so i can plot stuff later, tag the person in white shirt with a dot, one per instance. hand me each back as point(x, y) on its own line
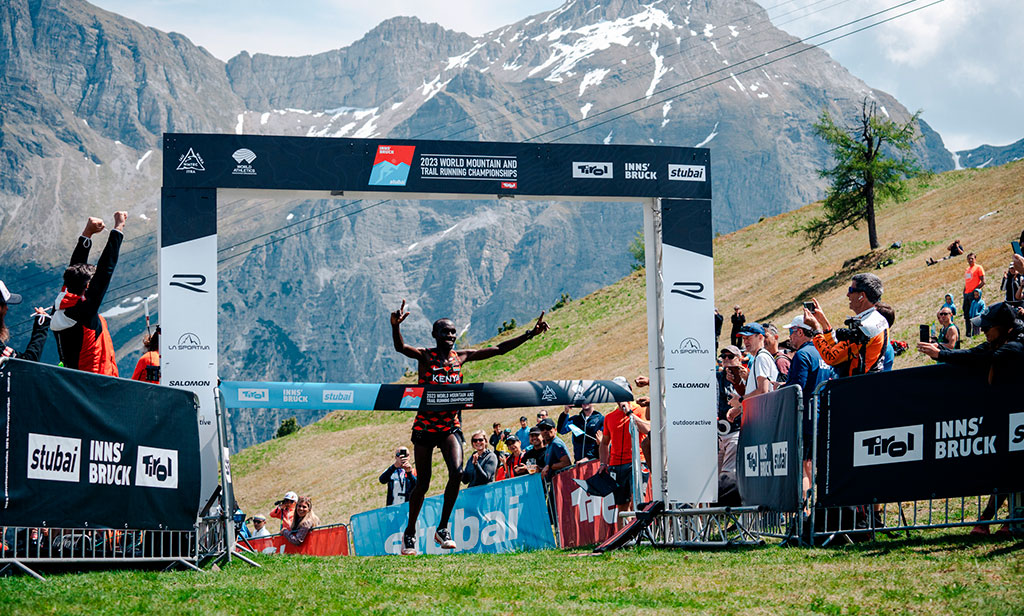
point(763, 373)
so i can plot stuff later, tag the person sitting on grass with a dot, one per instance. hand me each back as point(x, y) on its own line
point(303, 523)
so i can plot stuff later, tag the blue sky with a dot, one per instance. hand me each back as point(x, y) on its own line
point(959, 61)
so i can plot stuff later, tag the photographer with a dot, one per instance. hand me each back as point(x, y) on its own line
point(860, 347)
point(589, 424)
point(399, 477)
point(284, 509)
point(1001, 356)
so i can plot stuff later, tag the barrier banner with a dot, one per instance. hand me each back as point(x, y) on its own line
point(769, 470)
point(582, 519)
point(321, 541)
point(504, 516)
point(931, 432)
point(85, 450)
point(389, 397)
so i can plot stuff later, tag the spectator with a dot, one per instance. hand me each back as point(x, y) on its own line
point(259, 526)
point(616, 449)
point(771, 343)
point(588, 424)
point(860, 348)
point(284, 510)
point(955, 250)
point(974, 278)
point(719, 320)
point(399, 477)
point(728, 430)
point(514, 465)
point(641, 408)
point(556, 456)
point(148, 367)
point(482, 465)
point(542, 415)
point(1013, 284)
point(737, 319)
point(303, 523)
point(948, 303)
point(83, 340)
point(808, 371)
point(496, 437)
point(534, 455)
point(889, 313)
point(977, 308)
point(763, 372)
point(523, 433)
point(735, 372)
point(949, 335)
point(39, 328)
point(1001, 356)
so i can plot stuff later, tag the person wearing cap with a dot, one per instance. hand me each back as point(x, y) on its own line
point(39, 328)
point(1001, 356)
point(523, 433)
point(514, 465)
point(442, 365)
point(851, 356)
point(284, 509)
point(399, 478)
point(763, 373)
point(259, 526)
point(586, 427)
point(808, 370)
point(83, 339)
point(556, 456)
point(534, 453)
point(728, 430)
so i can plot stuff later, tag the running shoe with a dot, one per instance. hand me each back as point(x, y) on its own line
point(443, 538)
point(408, 545)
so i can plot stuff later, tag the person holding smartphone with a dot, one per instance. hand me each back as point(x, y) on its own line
point(399, 478)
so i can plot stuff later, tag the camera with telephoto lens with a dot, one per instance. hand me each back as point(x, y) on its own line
point(279, 503)
point(852, 332)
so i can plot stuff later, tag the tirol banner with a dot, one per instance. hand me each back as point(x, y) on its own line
point(321, 541)
point(769, 453)
point(85, 450)
point(584, 519)
point(691, 422)
point(920, 433)
point(374, 397)
point(505, 516)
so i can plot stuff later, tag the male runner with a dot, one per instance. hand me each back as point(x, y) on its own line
point(442, 365)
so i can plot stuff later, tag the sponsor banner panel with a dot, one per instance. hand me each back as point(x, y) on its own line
point(770, 472)
point(584, 519)
point(448, 167)
point(690, 387)
point(188, 321)
point(389, 397)
point(84, 450)
point(321, 541)
point(505, 516)
point(930, 432)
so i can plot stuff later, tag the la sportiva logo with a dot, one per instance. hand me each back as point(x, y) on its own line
point(189, 282)
point(189, 342)
point(190, 162)
point(54, 458)
point(888, 445)
point(689, 346)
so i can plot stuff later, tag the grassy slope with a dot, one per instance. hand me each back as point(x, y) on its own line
point(761, 267)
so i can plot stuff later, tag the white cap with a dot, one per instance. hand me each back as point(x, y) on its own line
point(622, 382)
point(798, 321)
point(292, 496)
point(6, 297)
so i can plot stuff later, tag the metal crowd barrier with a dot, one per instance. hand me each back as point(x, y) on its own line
point(23, 545)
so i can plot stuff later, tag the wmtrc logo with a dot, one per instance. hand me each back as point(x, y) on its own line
point(189, 342)
point(688, 289)
point(689, 346)
point(190, 162)
point(189, 282)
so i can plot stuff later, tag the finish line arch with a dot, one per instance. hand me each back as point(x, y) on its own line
point(673, 185)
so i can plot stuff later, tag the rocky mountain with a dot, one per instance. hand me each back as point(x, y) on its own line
point(990, 155)
point(86, 94)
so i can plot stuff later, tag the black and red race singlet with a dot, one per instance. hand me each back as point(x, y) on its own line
point(435, 371)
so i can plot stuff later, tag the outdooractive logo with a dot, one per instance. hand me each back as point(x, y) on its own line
point(54, 458)
point(599, 171)
point(338, 396)
point(688, 289)
point(243, 162)
point(689, 346)
point(190, 162)
point(686, 173)
point(411, 398)
point(391, 165)
point(189, 282)
point(888, 445)
point(156, 468)
point(252, 394)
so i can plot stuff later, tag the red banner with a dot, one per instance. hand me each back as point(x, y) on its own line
point(321, 541)
point(584, 519)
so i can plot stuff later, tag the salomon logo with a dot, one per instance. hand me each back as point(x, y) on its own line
point(687, 173)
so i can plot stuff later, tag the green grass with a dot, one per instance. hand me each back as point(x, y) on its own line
point(936, 574)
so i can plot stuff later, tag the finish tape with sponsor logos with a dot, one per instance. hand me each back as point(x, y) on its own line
point(390, 397)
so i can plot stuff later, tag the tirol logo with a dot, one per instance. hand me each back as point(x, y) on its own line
point(249, 394)
point(392, 164)
point(686, 173)
point(888, 445)
point(189, 282)
point(689, 346)
point(548, 394)
point(688, 289)
point(54, 458)
point(243, 162)
point(601, 171)
point(156, 468)
point(190, 162)
point(1016, 432)
point(339, 396)
point(189, 342)
point(411, 398)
